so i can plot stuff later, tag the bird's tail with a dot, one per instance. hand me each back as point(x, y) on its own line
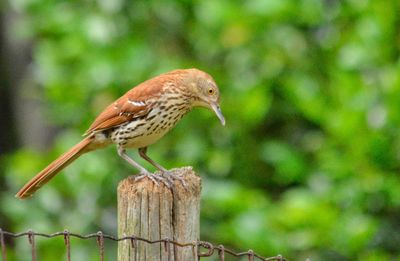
point(53, 168)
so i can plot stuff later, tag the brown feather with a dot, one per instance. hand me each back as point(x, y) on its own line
point(122, 111)
point(53, 168)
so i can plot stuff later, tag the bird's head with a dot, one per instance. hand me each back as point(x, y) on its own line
point(204, 91)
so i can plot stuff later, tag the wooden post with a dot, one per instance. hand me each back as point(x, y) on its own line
point(157, 212)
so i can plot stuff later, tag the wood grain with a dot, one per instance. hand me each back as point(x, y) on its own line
point(157, 212)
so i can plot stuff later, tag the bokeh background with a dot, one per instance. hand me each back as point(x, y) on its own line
point(307, 165)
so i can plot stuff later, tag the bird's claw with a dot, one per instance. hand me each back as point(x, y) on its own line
point(171, 178)
point(166, 177)
point(153, 177)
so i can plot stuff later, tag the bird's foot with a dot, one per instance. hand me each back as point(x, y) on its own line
point(171, 177)
point(155, 178)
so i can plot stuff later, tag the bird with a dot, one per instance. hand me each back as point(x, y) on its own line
point(137, 119)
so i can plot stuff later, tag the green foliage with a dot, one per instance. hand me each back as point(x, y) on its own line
point(308, 163)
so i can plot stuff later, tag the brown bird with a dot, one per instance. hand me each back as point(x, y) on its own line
point(138, 119)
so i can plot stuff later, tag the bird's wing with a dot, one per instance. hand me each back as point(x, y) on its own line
point(133, 104)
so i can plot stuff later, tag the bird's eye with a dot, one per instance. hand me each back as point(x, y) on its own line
point(211, 91)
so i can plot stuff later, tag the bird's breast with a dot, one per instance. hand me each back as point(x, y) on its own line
point(144, 131)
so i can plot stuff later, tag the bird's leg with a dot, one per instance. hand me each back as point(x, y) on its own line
point(142, 153)
point(167, 174)
point(143, 172)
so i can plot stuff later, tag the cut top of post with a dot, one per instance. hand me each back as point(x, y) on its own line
point(193, 183)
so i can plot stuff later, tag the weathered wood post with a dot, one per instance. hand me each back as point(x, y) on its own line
point(156, 212)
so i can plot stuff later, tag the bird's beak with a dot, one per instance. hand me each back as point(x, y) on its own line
point(218, 112)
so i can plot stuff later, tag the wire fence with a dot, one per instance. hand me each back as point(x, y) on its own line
point(199, 248)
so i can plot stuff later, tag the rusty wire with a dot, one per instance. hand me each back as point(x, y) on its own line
point(200, 248)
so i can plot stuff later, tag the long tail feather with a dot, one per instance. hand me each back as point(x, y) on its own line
point(53, 168)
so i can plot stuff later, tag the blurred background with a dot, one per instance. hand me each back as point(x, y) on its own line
point(307, 165)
